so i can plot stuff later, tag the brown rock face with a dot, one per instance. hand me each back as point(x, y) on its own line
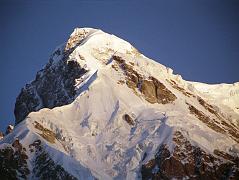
point(152, 89)
point(47, 134)
point(172, 167)
point(75, 40)
point(191, 162)
point(149, 91)
point(163, 95)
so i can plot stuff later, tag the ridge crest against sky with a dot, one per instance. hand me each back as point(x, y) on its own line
point(198, 40)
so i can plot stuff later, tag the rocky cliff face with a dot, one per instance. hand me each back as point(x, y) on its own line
point(53, 86)
point(100, 109)
point(190, 162)
point(13, 160)
point(14, 164)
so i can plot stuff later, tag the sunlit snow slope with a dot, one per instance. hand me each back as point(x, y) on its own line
point(111, 120)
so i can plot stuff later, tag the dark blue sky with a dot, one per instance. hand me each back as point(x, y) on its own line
point(198, 39)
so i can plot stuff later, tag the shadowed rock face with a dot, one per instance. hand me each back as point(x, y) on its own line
point(188, 161)
point(52, 87)
point(13, 162)
point(44, 166)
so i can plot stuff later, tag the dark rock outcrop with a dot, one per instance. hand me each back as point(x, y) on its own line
point(13, 162)
point(9, 129)
point(128, 119)
point(53, 86)
point(1, 135)
point(44, 166)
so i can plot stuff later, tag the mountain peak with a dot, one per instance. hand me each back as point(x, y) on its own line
point(101, 109)
point(98, 42)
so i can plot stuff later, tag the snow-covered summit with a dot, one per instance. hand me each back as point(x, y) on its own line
point(100, 109)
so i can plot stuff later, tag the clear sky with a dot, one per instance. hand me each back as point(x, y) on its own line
point(198, 39)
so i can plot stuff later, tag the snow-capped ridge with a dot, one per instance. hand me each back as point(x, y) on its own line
point(100, 109)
